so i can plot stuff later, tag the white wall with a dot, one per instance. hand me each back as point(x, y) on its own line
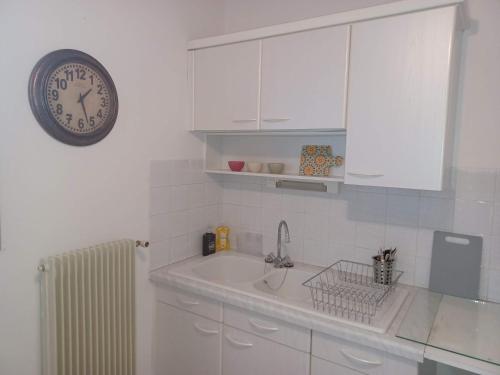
point(244, 14)
point(55, 197)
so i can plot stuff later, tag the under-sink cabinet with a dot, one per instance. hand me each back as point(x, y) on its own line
point(197, 335)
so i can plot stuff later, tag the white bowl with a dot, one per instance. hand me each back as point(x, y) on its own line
point(276, 168)
point(254, 166)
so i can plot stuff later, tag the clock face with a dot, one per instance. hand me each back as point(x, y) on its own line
point(78, 98)
point(73, 97)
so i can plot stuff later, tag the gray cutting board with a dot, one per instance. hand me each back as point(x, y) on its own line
point(456, 264)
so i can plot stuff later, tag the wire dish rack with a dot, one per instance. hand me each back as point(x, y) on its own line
point(348, 289)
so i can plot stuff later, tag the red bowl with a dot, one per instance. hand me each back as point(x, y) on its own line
point(236, 165)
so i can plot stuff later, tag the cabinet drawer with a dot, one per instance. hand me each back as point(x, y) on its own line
point(270, 328)
point(322, 367)
point(345, 353)
point(246, 354)
point(190, 302)
point(359, 357)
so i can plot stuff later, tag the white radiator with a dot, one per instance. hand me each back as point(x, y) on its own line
point(88, 311)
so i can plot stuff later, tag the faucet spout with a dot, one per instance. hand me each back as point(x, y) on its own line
point(280, 261)
point(283, 261)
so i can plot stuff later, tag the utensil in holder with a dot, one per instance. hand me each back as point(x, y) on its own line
point(382, 270)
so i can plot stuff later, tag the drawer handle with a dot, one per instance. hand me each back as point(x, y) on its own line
point(277, 119)
point(244, 120)
point(368, 175)
point(359, 360)
point(259, 326)
point(187, 303)
point(237, 343)
point(205, 331)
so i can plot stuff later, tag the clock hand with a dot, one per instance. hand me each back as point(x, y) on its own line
point(85, 95)
point(80, 100)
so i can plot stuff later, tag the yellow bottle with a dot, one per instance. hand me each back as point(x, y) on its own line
point(222, 238)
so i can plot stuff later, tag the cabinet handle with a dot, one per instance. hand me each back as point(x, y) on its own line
point(243, 120)
point(259, 326)
point(277, 119)
point(186, 302)
point(205, 331)
point(359, 360)
point(368, 175)
point(237, 343)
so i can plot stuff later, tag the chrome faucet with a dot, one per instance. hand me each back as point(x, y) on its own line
point(279, 261)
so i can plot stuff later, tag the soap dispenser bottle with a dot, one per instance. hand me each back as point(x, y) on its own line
point(222, 238)
point(208, 243)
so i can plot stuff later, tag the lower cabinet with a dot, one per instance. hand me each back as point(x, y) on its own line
point(199, 336)
point(247, 354)
point(186, 344)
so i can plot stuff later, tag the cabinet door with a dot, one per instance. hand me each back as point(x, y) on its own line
point(247, 354)
point(186, 344)
point(226, 87)
point(399, 81)
point(304, 80)
point(321, 367)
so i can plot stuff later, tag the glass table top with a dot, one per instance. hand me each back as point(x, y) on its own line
point(463, 326)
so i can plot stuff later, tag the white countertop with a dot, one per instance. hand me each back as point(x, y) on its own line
point(250, 299)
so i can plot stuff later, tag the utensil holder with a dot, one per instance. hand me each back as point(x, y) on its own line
point(382, 270)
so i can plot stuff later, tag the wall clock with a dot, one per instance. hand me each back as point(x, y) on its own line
point(73, 97)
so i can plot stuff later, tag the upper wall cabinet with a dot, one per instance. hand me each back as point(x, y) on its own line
point(226, 87)
point(398, 127)
point(304, 77)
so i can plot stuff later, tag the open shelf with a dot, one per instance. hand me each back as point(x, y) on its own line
point(272, 148)
point(278, 176)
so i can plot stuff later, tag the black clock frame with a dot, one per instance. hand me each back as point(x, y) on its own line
point(40, 107)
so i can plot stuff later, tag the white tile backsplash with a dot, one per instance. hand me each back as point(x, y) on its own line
point(424, 242)
point(342, 230)
point(180, 197)
point(160, 200)
point(473, 217)
point(403, 210)
point(251, 195)
point(370, 207)
point(402, 237)
point(422, 271)
point(495, 225)
point(494, 285)
point(370, 235)
point(184, 203)
point(476, 185)
point(436, 213)
point(324, 228)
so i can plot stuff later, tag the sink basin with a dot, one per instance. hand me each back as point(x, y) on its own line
point(230, 269)
point(286, 284)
